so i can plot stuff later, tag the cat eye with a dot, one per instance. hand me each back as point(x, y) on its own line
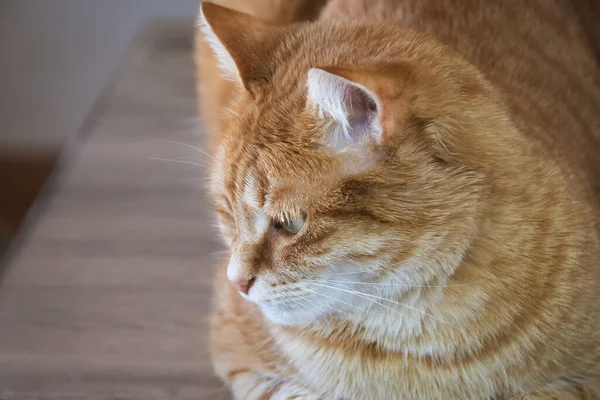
point(291, 226)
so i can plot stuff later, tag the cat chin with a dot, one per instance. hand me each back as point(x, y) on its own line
point(285, 316)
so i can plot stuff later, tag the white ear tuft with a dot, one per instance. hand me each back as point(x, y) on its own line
point(353, 109)
point(226, 63)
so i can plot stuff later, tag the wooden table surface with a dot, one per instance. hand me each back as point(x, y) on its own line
point(108, 292)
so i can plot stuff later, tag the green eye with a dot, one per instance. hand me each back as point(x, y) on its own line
point(291, 226)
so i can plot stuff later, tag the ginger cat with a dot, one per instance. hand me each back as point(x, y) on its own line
point(411, 194)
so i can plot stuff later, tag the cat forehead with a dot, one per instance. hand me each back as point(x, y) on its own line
point(279, 178)
point(253, 183)
point(275, 195)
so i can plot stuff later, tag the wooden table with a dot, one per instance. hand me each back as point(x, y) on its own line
point(107, 294)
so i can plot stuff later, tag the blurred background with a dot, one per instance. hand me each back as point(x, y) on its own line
point(55, 58)
point(106, 240)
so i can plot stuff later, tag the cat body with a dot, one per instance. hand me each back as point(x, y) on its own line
point(410, 194)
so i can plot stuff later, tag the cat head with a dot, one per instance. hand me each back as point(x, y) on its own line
point(354, 157)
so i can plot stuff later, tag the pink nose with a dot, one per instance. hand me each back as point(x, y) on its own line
point(242, 285)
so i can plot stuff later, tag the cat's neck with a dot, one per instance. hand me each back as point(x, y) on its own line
point(529, 240)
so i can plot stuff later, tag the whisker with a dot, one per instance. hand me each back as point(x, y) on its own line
point(338, 300)
point(304, 311)
point(403, 305)
point(322, 316)
point(217, 252)
point(402, 285)
point(176, 161)
point(409, 307)
point(201, 178)
point(337, 309)
point(358, 272)
point(200, 159)
point(366, 297)
point(391, 267)
point(199, 150)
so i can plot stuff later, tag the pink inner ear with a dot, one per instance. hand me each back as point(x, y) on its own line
point(361, 109)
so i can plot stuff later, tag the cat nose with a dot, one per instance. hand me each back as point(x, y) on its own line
point(243, 285)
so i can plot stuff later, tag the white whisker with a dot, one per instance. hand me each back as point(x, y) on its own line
point(181, 161)
point(401, 285)
point(367, 297)
point(322, 316)
point(338, 300)
point(409, 307)
point(201, 178)
point(190, 158)
point(360, 272)
point(334, 299)
point(304, 311)
point(219, 255)
point(199, 150)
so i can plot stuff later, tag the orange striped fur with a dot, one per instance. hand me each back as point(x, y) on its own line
point(410, 193)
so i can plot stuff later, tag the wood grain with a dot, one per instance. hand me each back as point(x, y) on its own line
point(108, 294)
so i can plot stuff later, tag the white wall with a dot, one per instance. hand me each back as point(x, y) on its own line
point(56, 56)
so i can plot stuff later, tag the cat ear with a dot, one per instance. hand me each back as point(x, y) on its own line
point(339, 95)
point(239, 41)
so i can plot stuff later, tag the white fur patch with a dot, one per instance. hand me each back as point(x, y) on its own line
point(261, 223)
point(226, 63)
point(251, 195)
